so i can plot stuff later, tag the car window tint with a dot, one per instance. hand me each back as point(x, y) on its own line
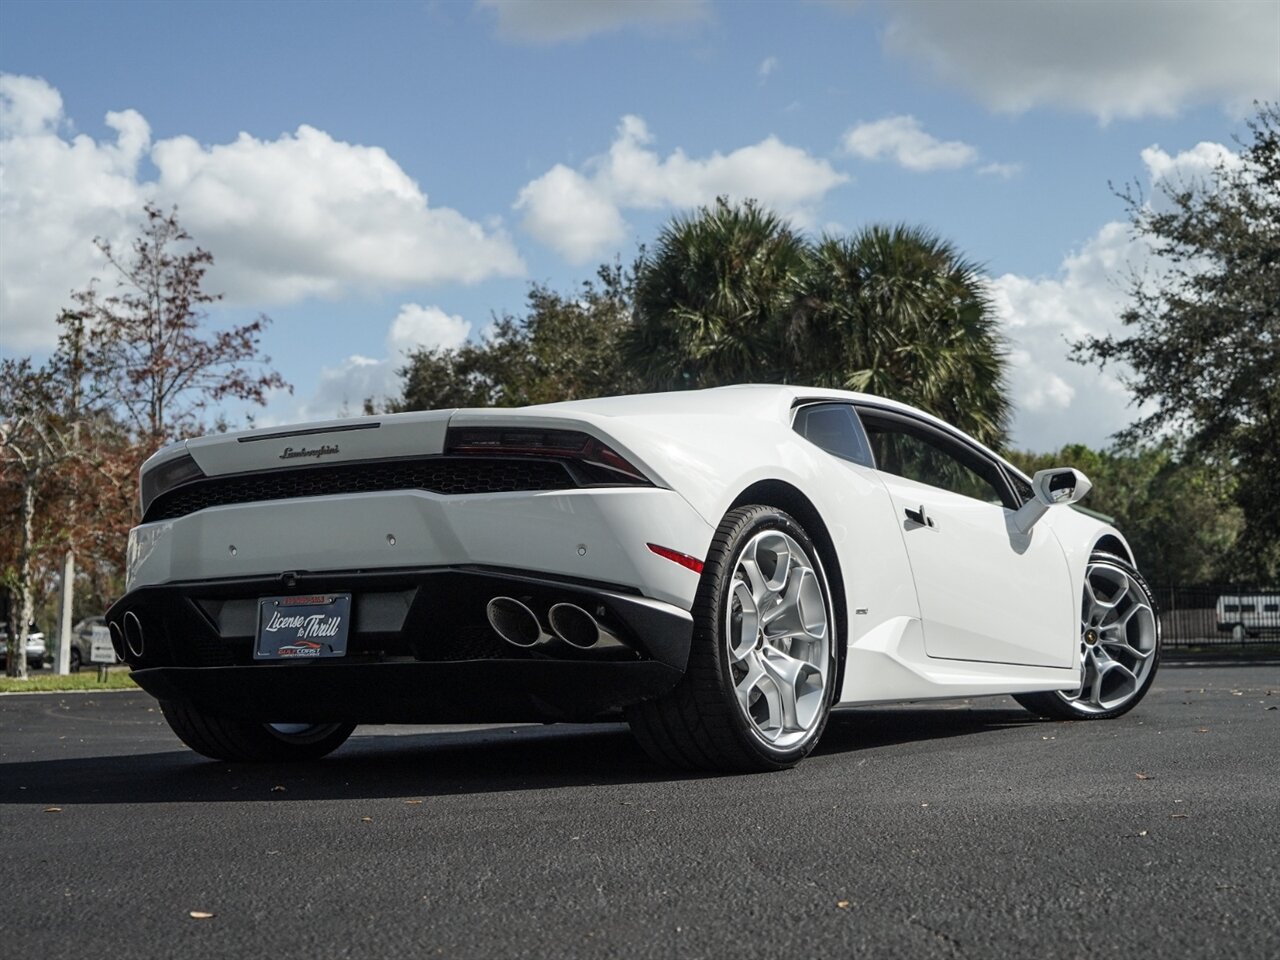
point(919, 454)
point(835, 428)
point(1021, 486)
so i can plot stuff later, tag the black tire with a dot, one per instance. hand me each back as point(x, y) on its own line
point(75, 659)
point(1056, 706)
point(699, 724)
point(227, 738)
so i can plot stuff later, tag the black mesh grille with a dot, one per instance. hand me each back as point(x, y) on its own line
point(448, 475)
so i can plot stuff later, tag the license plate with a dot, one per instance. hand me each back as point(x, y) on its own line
point(302, 628)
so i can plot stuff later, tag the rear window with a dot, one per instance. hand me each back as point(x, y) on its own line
point(836, 429)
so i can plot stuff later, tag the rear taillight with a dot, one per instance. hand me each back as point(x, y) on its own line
point(165, 476)
point(570, 445)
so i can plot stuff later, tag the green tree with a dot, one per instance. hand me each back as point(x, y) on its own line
point(731, 294)
point(1178, 516)
point(898, 312)
point(716, 299)
point(563, 348)
point(1201, 338)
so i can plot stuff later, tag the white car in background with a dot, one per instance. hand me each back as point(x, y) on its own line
point(82, 641)
point(36, 651)
point(720, 567)
point(1254, 614)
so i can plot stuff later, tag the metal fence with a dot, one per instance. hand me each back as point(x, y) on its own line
point(1219, 617)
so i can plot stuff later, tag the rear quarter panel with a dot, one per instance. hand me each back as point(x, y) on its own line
point(710, 459)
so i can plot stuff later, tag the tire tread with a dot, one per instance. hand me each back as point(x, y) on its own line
point(695, 726)
point(227, 738)
point(1049, 705)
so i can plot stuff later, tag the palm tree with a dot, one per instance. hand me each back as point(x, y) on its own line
point(714, 299)
point(731, 294)
point(896, 311)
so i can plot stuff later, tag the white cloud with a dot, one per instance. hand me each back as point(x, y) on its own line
point(573, 215)
point(28, 105)
point(767, 67)
point(56, 195)
point(306, 214)
point(579, 213)
point(903, 140)
point(552, 21)
point(1189, 167)
point(343, 388)
point(1112, 60)
point(1058, 401)
point(416, 326)
point(1005, 171)
point(302, 215)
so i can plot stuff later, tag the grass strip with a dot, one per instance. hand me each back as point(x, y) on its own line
point(86, 679)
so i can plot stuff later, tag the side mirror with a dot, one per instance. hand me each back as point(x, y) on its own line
point(1052, 487)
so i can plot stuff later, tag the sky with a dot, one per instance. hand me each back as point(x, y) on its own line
point(380, 176)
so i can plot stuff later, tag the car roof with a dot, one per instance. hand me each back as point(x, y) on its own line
point(763, 400)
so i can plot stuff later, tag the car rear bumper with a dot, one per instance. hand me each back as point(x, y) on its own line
point(420, 649)
point(472, 691)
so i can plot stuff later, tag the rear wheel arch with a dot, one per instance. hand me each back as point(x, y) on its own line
point(780, 494)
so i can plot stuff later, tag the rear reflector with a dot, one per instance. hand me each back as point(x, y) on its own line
point(675, 556)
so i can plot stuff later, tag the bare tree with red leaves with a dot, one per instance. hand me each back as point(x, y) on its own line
point(153, 361)
point(134, 368)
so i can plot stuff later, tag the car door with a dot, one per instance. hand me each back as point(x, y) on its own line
point(986, 592)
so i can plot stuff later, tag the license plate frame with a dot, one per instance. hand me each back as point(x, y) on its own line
point(309, 627)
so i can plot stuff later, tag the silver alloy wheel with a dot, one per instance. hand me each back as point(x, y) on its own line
point(1118, 638)
point(778, 638)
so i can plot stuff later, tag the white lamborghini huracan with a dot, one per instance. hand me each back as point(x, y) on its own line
point(720, 567)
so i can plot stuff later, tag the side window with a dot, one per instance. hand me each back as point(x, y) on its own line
point(918, 453)
point(1020, 486)
point(835, 428)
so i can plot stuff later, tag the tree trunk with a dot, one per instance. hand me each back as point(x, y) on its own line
point(17, 653)
point(62, 665)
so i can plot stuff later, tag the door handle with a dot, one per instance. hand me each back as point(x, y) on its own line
point(919, 516)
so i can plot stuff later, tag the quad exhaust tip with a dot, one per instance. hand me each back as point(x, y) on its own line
point(574, 625)
point(117, 641)
point(514, 622)
point(571, 626)
point(133, 634)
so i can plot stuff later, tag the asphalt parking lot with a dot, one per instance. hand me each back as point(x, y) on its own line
point(966, 829)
